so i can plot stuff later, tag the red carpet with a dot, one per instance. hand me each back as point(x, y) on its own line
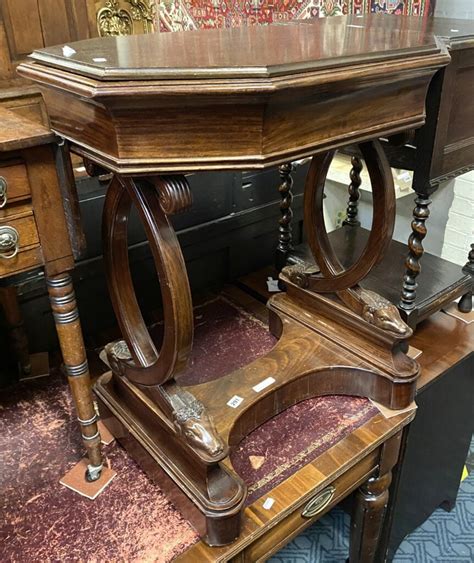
point(132, 520)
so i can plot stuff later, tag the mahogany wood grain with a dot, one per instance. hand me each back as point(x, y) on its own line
point(346, 466)
point(249, 51)
point(290, 90)
point(49, 208)
point(155, 367)
point(253, 97)
point(443, 339)
point(32, 134)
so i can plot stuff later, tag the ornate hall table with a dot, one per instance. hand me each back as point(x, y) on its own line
point(151, 108)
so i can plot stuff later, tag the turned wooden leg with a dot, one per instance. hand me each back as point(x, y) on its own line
point(367, 520)
point(370, 505)
point(14, 319)
point(285, 246)
point(68, 326)
point(465, 303)
point(415, 252)
point(354, 193)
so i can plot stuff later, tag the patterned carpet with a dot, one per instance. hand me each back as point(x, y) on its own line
point(446, 537)
point(177, 15)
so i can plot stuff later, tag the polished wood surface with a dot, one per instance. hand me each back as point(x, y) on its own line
point(135, 122)
point(346, 466)
point(18, 132)
point(244, 52)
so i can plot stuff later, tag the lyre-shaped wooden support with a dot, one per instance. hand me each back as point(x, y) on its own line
point(333, 277)
point(187, 432)
point(187, 444)
point(155, 200)
point(363, 311)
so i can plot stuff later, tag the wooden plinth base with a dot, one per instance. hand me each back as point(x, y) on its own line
point(189, 484)
point(307, 361)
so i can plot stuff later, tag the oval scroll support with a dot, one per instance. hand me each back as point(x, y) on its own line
point(154, 198)
point(333, 277)
point(336, 277)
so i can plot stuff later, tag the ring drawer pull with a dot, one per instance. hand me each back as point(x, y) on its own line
point(318, 503)
point(3, 192)
point(9, 242)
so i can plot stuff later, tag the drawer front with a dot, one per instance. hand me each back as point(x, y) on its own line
point(14, 184)
point(314, 507)
point(19, 245)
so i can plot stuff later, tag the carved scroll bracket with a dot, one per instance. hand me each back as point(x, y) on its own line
point(155, 200)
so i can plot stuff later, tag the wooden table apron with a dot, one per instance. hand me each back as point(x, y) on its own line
point(151, 108)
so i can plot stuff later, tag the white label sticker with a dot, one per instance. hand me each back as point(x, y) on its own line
point(263, 384)
point(235, 401)
point(68, 51)
point(272, 285)
point(269, 502)
point(99, 60)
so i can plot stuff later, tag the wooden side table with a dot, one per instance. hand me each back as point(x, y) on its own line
point(124, 114)
point(34, 234)
point(435, 446)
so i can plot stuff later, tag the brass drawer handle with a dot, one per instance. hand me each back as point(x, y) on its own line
point(3, 192)
point(9, 242)
point(318, 503)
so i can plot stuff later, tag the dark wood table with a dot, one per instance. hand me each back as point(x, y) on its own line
point(150, 108)
point(34, 235)
point(436, 444)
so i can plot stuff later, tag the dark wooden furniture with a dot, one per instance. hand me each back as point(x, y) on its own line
point(27, 25)
point(360, 462)
point(436, 444)
point(34, 234)
point(440, 150)
point(443, 149)
point(255, 97)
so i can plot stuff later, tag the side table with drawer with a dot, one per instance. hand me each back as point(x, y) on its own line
point(34, 234)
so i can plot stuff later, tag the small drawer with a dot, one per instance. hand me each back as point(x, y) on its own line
point(305, 513)
point(19, 245)
point(14, 184)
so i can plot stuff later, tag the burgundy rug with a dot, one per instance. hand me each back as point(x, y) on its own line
point(132, 520)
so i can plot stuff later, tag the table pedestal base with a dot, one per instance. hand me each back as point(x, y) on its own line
point(307, 361)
